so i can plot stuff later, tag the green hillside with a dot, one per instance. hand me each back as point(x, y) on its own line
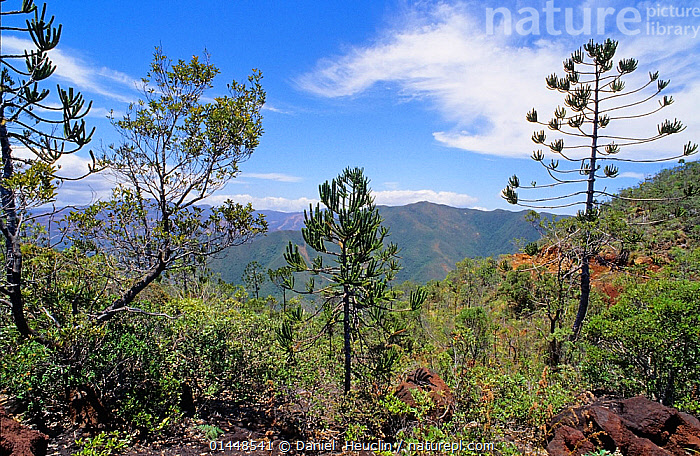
point(679, 215)
point(432, 239)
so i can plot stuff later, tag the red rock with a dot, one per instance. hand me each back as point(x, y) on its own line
point(636, 426)
point(18, 440)
point(436, 388)
point(570, 441)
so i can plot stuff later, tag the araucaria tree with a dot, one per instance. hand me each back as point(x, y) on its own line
point(354, 286)
point(597, 100)
point(37, 127)
point(175, 151)
point(254, 277)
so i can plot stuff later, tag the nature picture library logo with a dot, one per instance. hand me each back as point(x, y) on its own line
point(657, 19)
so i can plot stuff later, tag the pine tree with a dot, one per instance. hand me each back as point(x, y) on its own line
point(355, 284)
point(38, 126)
point(254, 277)
point(594, 92)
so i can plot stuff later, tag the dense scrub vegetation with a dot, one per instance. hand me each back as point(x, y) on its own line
point(496, 330)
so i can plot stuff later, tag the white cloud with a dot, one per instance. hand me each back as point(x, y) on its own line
point(484, 84)
point(477, 82)
point(278, 177)
point(87, 190)
point(103, 113)
point(79, 188)
point(96, 80)
point(384, 198)
point(403, 197)
point(632, 175)
point(274, 203)
point(271, 108)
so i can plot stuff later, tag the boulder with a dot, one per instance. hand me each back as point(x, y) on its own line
point(635, 427)
point(437, 389)
point(18, 440)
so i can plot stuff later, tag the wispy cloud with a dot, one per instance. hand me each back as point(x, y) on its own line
point(93, 187)
point(384, 198)
point(274, 203)
point(278, 177)
point(402, 197)
point(632, 175)
point(484, 84)
point(84, 76)
point(276, 110)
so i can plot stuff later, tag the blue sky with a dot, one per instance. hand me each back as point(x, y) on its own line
point(429, 97)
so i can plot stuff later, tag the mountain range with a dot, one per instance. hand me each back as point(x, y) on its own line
point(432, 238)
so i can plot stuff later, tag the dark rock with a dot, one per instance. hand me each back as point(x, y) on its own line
point(437, 389)
point(635, 427)
point(569, 441)
point(18, 440)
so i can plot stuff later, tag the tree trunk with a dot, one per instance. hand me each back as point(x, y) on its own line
point(669, 393)
point(126, 299)
point(13, 248)
point(554, 344)
point(590, 193)
point(583, 301)
point(346, 339)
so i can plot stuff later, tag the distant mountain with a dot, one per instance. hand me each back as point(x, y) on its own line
point(432, 239)
point(284, 221)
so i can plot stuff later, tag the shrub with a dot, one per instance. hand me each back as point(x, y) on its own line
point(102, 444)
point(473, 330)
point(531, 248)
point(33, 374)
point(517, 288)
point(140, 366)
point(649, 343)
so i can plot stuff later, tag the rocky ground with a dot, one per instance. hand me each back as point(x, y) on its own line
point(630, 427)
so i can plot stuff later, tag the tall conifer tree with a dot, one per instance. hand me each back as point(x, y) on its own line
point(594, 92)
point(354, 285)
point(38, 126)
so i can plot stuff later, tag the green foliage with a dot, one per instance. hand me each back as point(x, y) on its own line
point(211, 432)
point(44, 126)
point(102, 444)
point(473, 331)
point(34, 375)
point(63, 291)
point(175, 150)
point(471, 280)
point(649, 343)
point(141, 366)
point(680, 212)
point(685, 263)
point(253, 277)
point(355, 286)
point(518, 288)
point(531, 248)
